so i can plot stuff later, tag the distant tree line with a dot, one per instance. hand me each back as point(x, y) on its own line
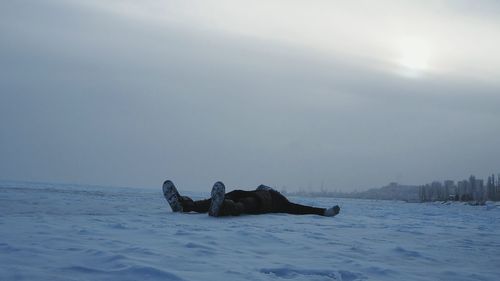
point(471, 190)
point(392, 191)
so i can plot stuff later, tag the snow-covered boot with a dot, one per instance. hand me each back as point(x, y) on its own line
point(217, 198)
point(333, 211)
point(172, 195)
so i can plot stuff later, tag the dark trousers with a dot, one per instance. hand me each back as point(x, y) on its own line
point(239, 202)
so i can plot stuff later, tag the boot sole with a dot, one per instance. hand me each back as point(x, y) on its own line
point(172, 196)
point(217, 198)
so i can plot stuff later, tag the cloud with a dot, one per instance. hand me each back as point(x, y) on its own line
point(100, 94)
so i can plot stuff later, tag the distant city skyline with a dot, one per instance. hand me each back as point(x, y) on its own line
point(473, 191)
point(348, 95)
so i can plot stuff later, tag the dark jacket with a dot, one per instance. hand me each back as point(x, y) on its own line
point(265, 199)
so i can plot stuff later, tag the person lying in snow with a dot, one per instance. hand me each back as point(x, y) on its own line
point(263, 200)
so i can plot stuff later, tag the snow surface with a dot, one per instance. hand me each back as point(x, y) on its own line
point(68, 232)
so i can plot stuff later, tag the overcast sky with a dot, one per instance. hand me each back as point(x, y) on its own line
point(341, 94)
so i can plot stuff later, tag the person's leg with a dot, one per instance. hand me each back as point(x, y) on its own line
point(199, 206)
point(180, 203)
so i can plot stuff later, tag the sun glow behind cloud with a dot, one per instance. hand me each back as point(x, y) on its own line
point(345, 30)
point(414, 57)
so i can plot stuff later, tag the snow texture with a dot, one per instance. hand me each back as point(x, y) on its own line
point(68, 232)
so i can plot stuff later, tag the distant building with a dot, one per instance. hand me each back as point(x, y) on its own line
point(449, 189)
point(479, 191)
point(463, 190)
point(490, 188)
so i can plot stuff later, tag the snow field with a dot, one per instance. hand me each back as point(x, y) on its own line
point(66, 232)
